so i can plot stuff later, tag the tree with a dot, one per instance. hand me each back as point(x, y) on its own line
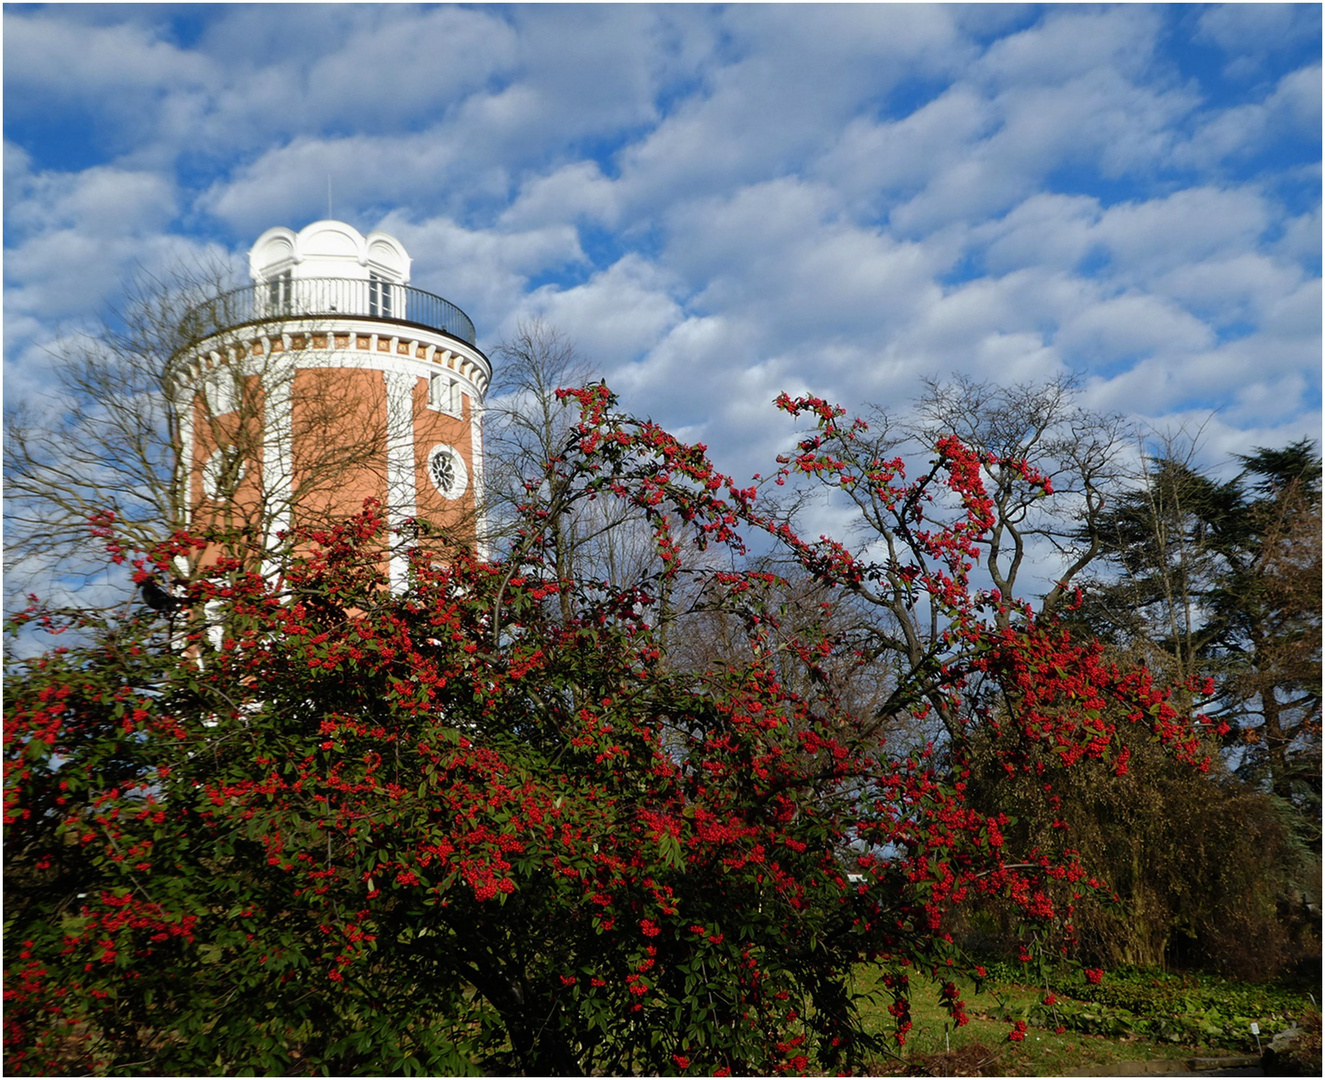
point(528, 429)
point(1024, 446)
point(1270, 598)
point(1208, 572)
point(1077, 451)
point(1213, 581)
point(1224, 580)
point(1198, 864)
point(450, 829)
point(105, 438)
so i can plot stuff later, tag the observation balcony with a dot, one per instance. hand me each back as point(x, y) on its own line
point(283, 298)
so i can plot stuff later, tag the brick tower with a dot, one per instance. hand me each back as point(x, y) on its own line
point(327, 381)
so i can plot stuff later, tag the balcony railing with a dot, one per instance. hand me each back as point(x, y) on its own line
point(326, 298)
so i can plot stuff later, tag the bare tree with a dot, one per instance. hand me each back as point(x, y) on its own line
point(528, 429)
point(1082, 452)
point(780, 618)
point(162, 420)
point(104, 438)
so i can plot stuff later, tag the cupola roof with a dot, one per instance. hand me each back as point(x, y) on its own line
point(328, 249)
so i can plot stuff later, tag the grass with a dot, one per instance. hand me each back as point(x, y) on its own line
point(1129, 1016)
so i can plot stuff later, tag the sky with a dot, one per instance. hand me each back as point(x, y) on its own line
point(720, 203)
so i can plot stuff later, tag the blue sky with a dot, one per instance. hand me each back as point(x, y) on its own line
point(721, 203)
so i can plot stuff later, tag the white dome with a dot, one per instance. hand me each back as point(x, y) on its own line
point(328, 249)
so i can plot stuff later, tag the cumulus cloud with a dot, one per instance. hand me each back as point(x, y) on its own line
point(112, 62)
point(74, 238)
point(575, 192)
point(1290, 110)
point(364, 170)
point(1068, 41)
point(614, 316)
point(1301, 240)
point(1189, 226)
point(486, 272)
point(722, 203)
point(900, 157)
point(1119, 328)
point(1249, 34)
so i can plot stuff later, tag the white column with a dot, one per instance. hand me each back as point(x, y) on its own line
point(277, 452)
point(476, 474)
point(401, 494)
point(182, 403)
point(181, 400)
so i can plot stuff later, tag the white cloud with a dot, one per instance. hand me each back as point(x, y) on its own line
point(721, 203)
point(1239, 288)
point(1096, 119)
point(614, 316)
point(1189, 226)
point(573, 192)
point(902, 156)
point(1228, 135)
point(410, 65)
point(1301, 240)
point(1250, 33)
point(789, 79)
point(1291, 108)
point(18, 167)
point(1199, 253)
point(1296, 100)
point(1297, 315)
point(779, 254)
point(831, 37)
point(1045, 230)
point(599, 69)
point(386, 170)
point(1068, 41)
point(1254, 381)
point(102, 201)
point(1123, 327)
point(485, 272)
point(50, 57)
point(73, 238)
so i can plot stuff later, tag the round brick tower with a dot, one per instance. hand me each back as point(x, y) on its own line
point(328, 381)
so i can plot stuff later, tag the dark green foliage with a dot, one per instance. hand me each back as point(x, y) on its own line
point(1223, 580)
point(1192, 1009)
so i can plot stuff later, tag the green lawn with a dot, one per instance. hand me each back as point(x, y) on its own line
point(1129, 1016)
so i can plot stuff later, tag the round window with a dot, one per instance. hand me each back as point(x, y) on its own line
point(446, 469)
